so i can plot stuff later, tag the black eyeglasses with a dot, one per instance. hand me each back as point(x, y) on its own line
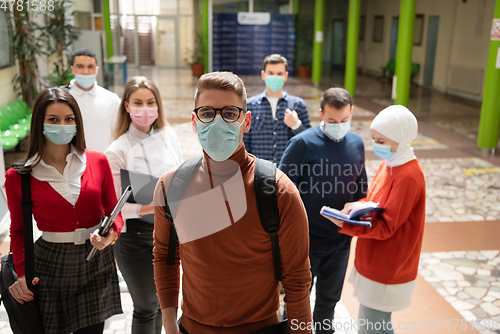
point(230, 114)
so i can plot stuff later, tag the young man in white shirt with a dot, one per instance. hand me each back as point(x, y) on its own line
point(98, 105)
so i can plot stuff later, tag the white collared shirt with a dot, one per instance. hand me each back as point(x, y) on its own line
point(68, 184)
point(151, 153)
point(99, 108)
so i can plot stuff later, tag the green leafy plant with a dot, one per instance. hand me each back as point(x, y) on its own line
point(26, 45)
point(195, 55)
point(63, 33)
point(304, 42)
point(59, 77)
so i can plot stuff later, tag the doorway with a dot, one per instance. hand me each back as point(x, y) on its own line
point(430, 51)
point(138, 39)
point(338, 44)
point(393, 47)
point(145, 30)
point(167, 42)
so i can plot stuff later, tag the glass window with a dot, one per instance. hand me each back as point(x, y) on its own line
point(98, 23)
point(170, 7)
point(146, 7)
point(126, 7)
point(97, 6)
point(362, 27)
point(6, 58)
point(186, 42)
point(378, 29)
point(185, 7)
point(272, 6)
point(83, 20)
point(235, 6)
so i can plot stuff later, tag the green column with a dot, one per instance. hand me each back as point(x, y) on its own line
point(295, 7)
point(352, 46)
point(319, 14)
point(204, 31)
point(107, 27)
point(404, 51)
point(490, 108)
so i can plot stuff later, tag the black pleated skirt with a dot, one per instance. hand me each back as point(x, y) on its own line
point(73, 293)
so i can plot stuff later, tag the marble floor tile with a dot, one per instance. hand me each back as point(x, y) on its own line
point(477, 301)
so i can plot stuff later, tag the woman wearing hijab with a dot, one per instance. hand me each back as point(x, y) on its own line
point(387, 254)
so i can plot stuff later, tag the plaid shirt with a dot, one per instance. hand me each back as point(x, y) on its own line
point(267, 138)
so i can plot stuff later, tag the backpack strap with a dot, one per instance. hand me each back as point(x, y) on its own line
point(177, 187)
point(291, 101)
point(27, 207)
point(267, 203)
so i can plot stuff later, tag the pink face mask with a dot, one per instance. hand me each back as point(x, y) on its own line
point(143, 116)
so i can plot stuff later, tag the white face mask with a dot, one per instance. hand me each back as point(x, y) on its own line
point(219, 138)
point(337, 130)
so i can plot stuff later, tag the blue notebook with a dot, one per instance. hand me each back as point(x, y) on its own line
point(353, 218)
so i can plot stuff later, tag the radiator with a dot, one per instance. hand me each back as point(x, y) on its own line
point(466, 79)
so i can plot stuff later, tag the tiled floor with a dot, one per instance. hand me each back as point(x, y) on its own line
point(458, 287)
point(469, 281)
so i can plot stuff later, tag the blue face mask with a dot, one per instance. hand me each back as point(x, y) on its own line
point(337, 130)
point(219, 138)
point(383, 151)
point(85, 81)
point(274, 82)
point(59, 134)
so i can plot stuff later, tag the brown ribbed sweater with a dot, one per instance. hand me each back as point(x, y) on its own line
point(228, 283)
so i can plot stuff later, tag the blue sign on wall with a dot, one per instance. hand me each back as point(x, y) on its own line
point(241, 41)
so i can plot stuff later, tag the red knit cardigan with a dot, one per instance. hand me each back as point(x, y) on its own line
point(53, 213)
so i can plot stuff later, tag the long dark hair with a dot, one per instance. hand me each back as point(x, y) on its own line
point(37, 140)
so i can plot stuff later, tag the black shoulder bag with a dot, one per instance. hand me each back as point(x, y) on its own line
point(23, 318)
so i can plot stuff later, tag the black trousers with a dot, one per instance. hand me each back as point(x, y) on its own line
point(329, 260)
point(134, 254)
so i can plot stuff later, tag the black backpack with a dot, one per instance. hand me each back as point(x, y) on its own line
point(267, 203)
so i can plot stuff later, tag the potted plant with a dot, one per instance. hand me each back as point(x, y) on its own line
point(304, 47)
point(195, 57)
point(26, 45)
point(63, 33)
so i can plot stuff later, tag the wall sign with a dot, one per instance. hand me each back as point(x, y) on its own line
point(495, 30)
point(241, 41)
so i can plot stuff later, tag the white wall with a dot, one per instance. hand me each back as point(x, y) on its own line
point(446, 13)
point(458, 44)
point(7, 92)
point(83, 5)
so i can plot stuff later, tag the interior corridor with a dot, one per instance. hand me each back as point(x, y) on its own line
point(458, 287)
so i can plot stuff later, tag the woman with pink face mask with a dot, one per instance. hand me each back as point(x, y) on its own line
point(144, 147)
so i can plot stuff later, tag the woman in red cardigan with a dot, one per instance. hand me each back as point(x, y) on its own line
point(387, 254)
point(71, 189)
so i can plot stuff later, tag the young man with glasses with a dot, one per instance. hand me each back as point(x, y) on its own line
point(276, 115)
point(228, 278)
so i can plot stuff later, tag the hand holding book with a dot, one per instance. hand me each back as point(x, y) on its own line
point(353, 217)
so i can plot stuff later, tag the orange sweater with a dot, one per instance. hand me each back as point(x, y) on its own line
point(228, 283)
point(389, 251)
